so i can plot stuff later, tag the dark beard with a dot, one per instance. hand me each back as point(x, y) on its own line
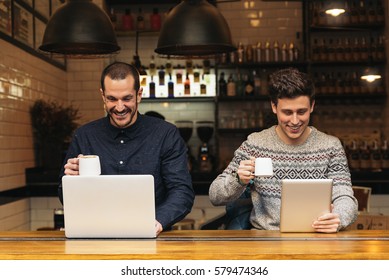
point(127, 124)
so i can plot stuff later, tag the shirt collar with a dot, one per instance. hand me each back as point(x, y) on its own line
point(128, 131)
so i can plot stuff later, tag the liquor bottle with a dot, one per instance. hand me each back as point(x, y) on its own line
point(161, 76)
point(267, 51)
point(248, 85)
point(231, 86)
point(187, 85)
point(364, 50)
point(284, 53)
point(362, 19)
point(155, 20)
point(354, 13)
point(250, 53)
point(354, 156)
point(203, 86)
point(196, 75)
point(239, 84)
point(127, 21)
point(385, 155)
point(170, 87)
point(168, 66)
point(257, 83)
point(189, 66)
point(140, 20)
point(347, 50)
point(222, 85)
point(371, 13)
point(365, 156)
point(356, 50)
point(259, 52)
point(276, 51)
point(339, 52)
point(291, 51)
point(380, 12)
point(206, 66)
point(179, 74)
point(152, 67)
point(376, 162)
point(152, 88)
point(240, 53)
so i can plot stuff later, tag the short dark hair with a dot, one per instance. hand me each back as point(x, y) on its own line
point(290, 83)
point(119, 71)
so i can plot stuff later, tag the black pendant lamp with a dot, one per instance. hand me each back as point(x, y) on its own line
point(79, 28)
point(194, 28)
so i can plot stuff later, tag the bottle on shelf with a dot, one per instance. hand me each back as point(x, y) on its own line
point(187, 85)
point(354, 156)
point(155, 20)
point(257, 83)
point(365, 156)
point(250, 49)
point(362, 13)
point(152, 67)
point(371, 13)
point(284, 53)
point(259, 52)
point(380, 12)
point(376, 162)
point(267, 54)
point(140, 20)
point(161, 76)
point(170, 87)
point(179, 74)
point(152, 88)
point(168, 66)
point(127, 21)
point(385, 155)
point(196, 75)
point(241, 53)
point(276, 51)
point(231, 86)
point(248, 85)
point(203, 86)
point(222, 85)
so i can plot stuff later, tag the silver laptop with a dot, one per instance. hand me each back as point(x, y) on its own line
point(109, 206)
point(302, 201)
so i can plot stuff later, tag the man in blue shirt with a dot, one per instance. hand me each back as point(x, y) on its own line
point(130, 143)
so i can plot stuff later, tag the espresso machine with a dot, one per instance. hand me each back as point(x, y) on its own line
point(204, 132)
point(186, 129)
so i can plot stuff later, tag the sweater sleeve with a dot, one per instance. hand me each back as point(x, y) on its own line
point(226, 188)
point(345, 204)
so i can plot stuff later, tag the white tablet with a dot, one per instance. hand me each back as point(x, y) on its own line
point(302, 201)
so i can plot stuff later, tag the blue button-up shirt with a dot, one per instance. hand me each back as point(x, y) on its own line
point(149, 146)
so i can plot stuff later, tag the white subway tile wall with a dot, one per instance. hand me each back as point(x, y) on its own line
point(25, 78)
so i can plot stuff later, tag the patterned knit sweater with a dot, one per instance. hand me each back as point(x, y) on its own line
point(321, 156)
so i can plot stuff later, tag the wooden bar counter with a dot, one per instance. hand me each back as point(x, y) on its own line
point(199, 245)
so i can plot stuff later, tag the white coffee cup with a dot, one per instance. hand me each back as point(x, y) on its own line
point(89, 165)
point(263, 167)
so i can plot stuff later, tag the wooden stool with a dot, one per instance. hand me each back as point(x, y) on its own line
point(184, 224)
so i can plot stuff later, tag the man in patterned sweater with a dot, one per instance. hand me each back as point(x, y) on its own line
point(298, 151)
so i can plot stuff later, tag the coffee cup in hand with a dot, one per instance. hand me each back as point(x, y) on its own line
point(89, 165)
point(263, 167)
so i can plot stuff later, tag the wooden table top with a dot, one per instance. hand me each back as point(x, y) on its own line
point(200, 245)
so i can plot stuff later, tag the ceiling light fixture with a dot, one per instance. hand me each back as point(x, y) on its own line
point(79, 28)
point(335, 12)
point(194, 28)
point(370, 75)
